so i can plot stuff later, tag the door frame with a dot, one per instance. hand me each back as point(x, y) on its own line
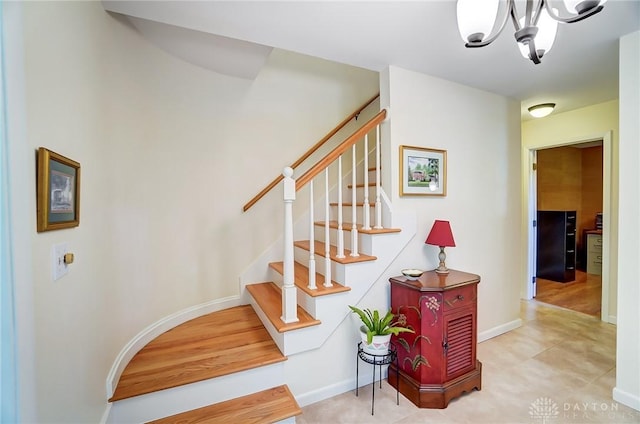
point(529, 183)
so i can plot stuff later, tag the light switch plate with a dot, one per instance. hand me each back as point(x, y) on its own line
point(59, 268)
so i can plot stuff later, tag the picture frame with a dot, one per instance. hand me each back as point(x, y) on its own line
point(423, 171)
point(58, 191)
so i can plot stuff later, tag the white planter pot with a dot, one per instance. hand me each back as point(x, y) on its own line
point(378, 346)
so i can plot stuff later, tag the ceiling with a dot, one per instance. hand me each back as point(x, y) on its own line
point(580, 70)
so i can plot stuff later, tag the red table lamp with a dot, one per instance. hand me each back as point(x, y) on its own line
point(441, 236)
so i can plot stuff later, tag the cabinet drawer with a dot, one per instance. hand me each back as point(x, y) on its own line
point(458, 298)
point(594, 243)
point(594, 263)
point(594, 268)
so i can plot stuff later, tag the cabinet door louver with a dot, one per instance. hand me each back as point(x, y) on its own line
point(459, 336)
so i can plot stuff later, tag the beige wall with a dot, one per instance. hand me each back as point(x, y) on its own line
point(480, 132)
point(586, 124)
point(169, 152)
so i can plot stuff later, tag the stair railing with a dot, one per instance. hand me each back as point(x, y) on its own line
point(291, 186)
point(309, 152)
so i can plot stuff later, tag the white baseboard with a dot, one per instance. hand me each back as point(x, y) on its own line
point(157, 328)
point(500, 329)
point(626, 398)
point(612, 320)
point(105, 414)
point(339, 388)
point(327, 392)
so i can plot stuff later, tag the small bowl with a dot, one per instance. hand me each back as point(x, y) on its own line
point(412, 274)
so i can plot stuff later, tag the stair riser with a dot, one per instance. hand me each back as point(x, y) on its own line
point(359, 175)
point(275, 277)
point(364, 240)
point(307, 302)
point(277, 337)
point(191, 396)
point(302, 256)
point(347, 214)
point(346, 197)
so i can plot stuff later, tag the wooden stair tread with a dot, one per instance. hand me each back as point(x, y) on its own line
point(209, 346)
point(269, 298)
point(267, 406)
point(319, 249)
point(301, 277)
point(349, 204)
point(361, 185)
point(346, 226)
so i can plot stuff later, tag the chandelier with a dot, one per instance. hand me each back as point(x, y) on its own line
point(535, 31)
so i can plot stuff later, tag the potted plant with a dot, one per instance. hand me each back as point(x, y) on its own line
point(377, 329)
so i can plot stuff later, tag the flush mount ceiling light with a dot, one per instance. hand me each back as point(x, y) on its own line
point(541, 110)
point(535, 31)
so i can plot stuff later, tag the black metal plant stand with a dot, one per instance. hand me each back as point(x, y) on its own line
point(380, 360)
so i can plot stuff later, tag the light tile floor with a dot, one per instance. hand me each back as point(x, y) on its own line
point(561, 357)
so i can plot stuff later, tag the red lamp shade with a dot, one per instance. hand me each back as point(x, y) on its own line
point(441, 235)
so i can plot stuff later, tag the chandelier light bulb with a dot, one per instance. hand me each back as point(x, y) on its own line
point(547, 30)
point(476, 18)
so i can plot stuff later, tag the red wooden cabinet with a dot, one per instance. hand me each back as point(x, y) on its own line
point(438, 362)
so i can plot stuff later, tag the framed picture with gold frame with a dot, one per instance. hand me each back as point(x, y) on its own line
point(58, 191)
point(423, 171)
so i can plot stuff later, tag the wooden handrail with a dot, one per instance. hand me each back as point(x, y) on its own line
point(309, 152)
point(340, 149)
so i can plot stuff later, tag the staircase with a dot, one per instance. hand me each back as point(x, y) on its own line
point(232, 361)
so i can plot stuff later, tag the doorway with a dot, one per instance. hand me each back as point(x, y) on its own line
point(569, 184)
point(595, 285)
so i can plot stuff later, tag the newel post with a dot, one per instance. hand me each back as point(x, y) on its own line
point(289, 301)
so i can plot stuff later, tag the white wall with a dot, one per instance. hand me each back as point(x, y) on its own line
point(169, 153)
point(480, 132)
point(21, 201)
point(627, 388)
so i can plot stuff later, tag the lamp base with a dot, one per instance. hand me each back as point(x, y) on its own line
point(442, 269)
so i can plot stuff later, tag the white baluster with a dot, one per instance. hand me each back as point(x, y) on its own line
point(312, 240)
point(327, 251)
point(366, 212)
point(378, 203)
point(289, 301)
point(340, 232)
point(354, 211)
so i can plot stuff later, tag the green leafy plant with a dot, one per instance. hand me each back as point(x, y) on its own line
point(378, 325)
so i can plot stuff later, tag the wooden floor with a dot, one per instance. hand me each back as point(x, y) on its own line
point(582, 295)
point(205, 347)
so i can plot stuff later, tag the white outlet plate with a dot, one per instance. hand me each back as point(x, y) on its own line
point(58, 267)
